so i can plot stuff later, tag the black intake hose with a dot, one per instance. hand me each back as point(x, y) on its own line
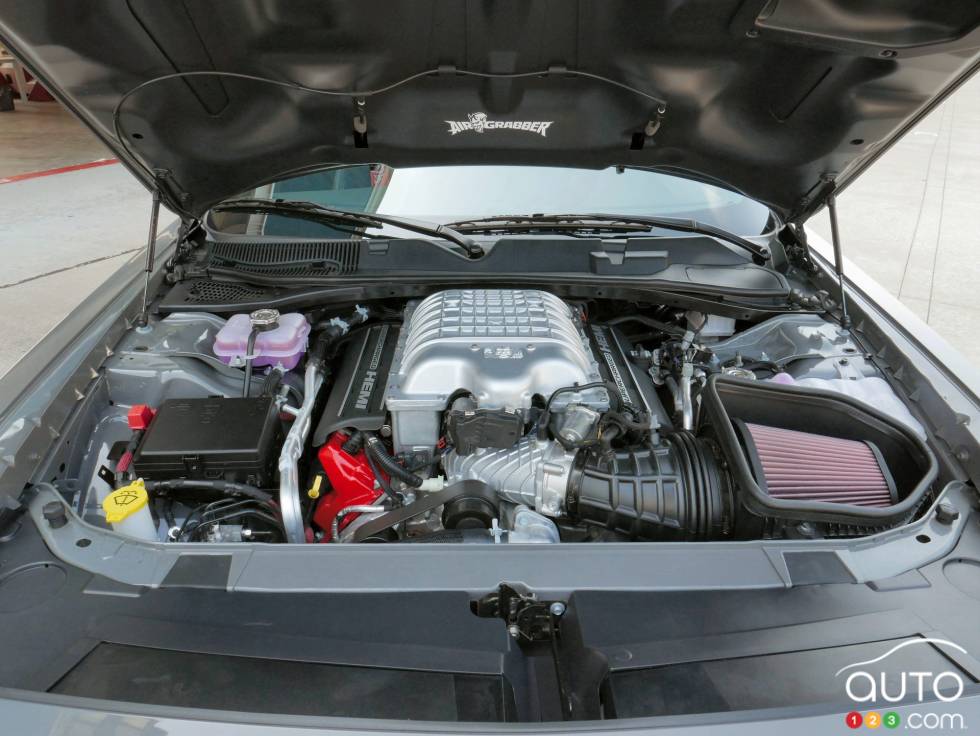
point(377, 452)
point(674, 491)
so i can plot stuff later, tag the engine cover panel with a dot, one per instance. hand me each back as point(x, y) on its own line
point(502, 346)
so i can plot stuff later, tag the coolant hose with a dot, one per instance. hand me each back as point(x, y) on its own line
point(290, 504)
point(376, 450)
point(250, 348)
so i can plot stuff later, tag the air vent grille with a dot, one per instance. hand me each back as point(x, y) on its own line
point(221, 292)
point(319, 258)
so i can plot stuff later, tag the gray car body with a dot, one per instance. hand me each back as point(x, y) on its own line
point(39, 395)
point(33, 402)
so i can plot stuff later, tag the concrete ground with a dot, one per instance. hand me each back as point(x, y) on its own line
point(908, 222)
point(61, 236)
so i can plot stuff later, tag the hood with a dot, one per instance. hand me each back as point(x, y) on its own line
point(784, 101)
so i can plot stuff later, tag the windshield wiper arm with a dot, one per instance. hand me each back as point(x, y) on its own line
point(598, 221)
point(319, 213)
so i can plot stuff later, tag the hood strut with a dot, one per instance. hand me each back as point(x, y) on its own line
point(845, 320)
point(151, 241)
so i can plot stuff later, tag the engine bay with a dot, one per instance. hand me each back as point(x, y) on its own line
point(496, 416)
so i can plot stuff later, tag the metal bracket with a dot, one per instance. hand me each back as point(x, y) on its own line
point(654, 124)
point(360, 122)
point(528, 619)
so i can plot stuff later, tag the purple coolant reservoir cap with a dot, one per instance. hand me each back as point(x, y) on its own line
point(281, 345)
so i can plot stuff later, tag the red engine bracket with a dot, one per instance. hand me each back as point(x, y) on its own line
point(352, 483)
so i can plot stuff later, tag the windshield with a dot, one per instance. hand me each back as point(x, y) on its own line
point(447, 193)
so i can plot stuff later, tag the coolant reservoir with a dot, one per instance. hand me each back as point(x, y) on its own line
point(128, 510)
point(281, 344)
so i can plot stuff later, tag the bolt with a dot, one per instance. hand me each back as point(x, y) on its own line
point(514, 630)
point(54, 512)
point(887, 54)
point(557, 608)
point(947, 513)
point(752, 33)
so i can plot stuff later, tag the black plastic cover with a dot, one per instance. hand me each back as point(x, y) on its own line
point(635, 387)
point(472, 429)
point(235, 439)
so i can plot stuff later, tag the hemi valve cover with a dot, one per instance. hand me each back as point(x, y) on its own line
point(357, 398)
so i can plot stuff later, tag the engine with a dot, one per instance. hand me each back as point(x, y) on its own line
point(504, 415)
point(510, 410)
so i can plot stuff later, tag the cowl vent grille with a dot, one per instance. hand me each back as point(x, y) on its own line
point(319, 258)
point(222, 292)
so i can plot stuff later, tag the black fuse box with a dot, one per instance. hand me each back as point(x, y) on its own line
point(234, 439)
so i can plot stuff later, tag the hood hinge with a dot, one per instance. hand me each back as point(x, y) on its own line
point(793, 238)
point(186, 233)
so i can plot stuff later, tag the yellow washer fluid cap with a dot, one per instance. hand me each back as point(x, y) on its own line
point(124, 502)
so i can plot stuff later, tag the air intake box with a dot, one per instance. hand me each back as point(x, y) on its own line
point(235, 439)
point(806, 454)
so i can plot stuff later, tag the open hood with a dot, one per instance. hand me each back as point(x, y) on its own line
point(783, 100)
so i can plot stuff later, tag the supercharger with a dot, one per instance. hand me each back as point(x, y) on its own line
point(500, 348)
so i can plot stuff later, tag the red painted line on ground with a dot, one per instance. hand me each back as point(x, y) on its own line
point(61, 170)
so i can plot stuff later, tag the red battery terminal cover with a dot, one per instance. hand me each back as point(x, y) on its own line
point(140, 416)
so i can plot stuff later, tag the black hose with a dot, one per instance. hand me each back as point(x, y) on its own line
point(376, 451)
point(382, 481)
point(248, 360)
point(353, 444)
point(292, 382)
point(168, 513)
point(615, 417)
point(328, 333)
point(222, 486)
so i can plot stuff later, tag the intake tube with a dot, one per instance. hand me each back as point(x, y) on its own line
point(673, 491)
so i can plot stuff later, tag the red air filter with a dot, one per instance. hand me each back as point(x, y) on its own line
point(799, 466)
